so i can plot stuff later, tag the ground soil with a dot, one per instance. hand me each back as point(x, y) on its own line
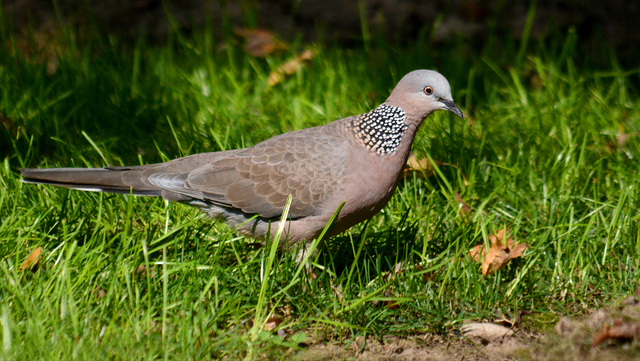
point(418, 348)
point(612, 333)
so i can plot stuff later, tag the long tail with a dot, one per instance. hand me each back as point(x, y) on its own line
point(123, 180)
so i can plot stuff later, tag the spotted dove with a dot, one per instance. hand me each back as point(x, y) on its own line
point(356, 160)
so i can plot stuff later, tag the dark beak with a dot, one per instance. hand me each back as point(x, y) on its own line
point(452, 107)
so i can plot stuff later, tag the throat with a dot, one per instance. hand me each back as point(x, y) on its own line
point(381, 129)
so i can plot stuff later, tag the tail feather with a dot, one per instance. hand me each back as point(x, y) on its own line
point(91, 179)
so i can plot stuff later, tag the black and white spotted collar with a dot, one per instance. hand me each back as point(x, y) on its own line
point(381, 129)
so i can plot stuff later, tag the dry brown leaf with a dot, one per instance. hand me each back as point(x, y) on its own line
point(142, 271)
point(499, 254)
point(32, 260)
point(272, 323)
point(427, 276)
point(620, 330)
point(488, 331)
point(260, 42)
point(465, 210)
point(290, 67)
point(390, 304)
point(424, 168)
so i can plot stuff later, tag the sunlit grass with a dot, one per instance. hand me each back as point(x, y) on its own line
point(548, 150)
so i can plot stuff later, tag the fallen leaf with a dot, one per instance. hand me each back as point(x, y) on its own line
point(620, 331)
point(427, 276)
point(290, 67)
point(32, 260)
point(260, 42)
point(142, 271)
point(488, 331)
point(465, 210)
point(390, 304)
point(499, 254)
point(272, 323)
point(425, 168)
point(422, 167)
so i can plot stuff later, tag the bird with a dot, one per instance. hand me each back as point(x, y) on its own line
point(355, 162)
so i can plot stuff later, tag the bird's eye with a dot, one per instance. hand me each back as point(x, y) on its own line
point(428, 90)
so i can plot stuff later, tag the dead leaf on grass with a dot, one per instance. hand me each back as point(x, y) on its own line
point(32, 260)
point(465, 210)
point(272, 323)
point(142, 271)
point(427, 276)
point(390, 304)
point(290, 67)
point(487, 331)
point(425, 168)
point(422, 167)
point(621, 331)
point(260, 42)
point(500, 253)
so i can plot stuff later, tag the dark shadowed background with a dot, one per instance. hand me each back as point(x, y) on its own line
point(347, 23)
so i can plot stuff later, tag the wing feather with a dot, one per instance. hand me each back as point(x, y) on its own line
point(258, 180)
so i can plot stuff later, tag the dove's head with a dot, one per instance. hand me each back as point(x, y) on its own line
point(422, 92)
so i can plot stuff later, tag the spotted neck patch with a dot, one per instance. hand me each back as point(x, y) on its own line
point(381, 129)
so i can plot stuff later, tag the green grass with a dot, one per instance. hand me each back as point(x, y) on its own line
point(135, 278)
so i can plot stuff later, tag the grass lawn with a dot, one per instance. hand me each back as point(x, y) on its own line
point(548, 150)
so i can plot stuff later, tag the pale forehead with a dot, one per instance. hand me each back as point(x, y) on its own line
point(421, 78)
